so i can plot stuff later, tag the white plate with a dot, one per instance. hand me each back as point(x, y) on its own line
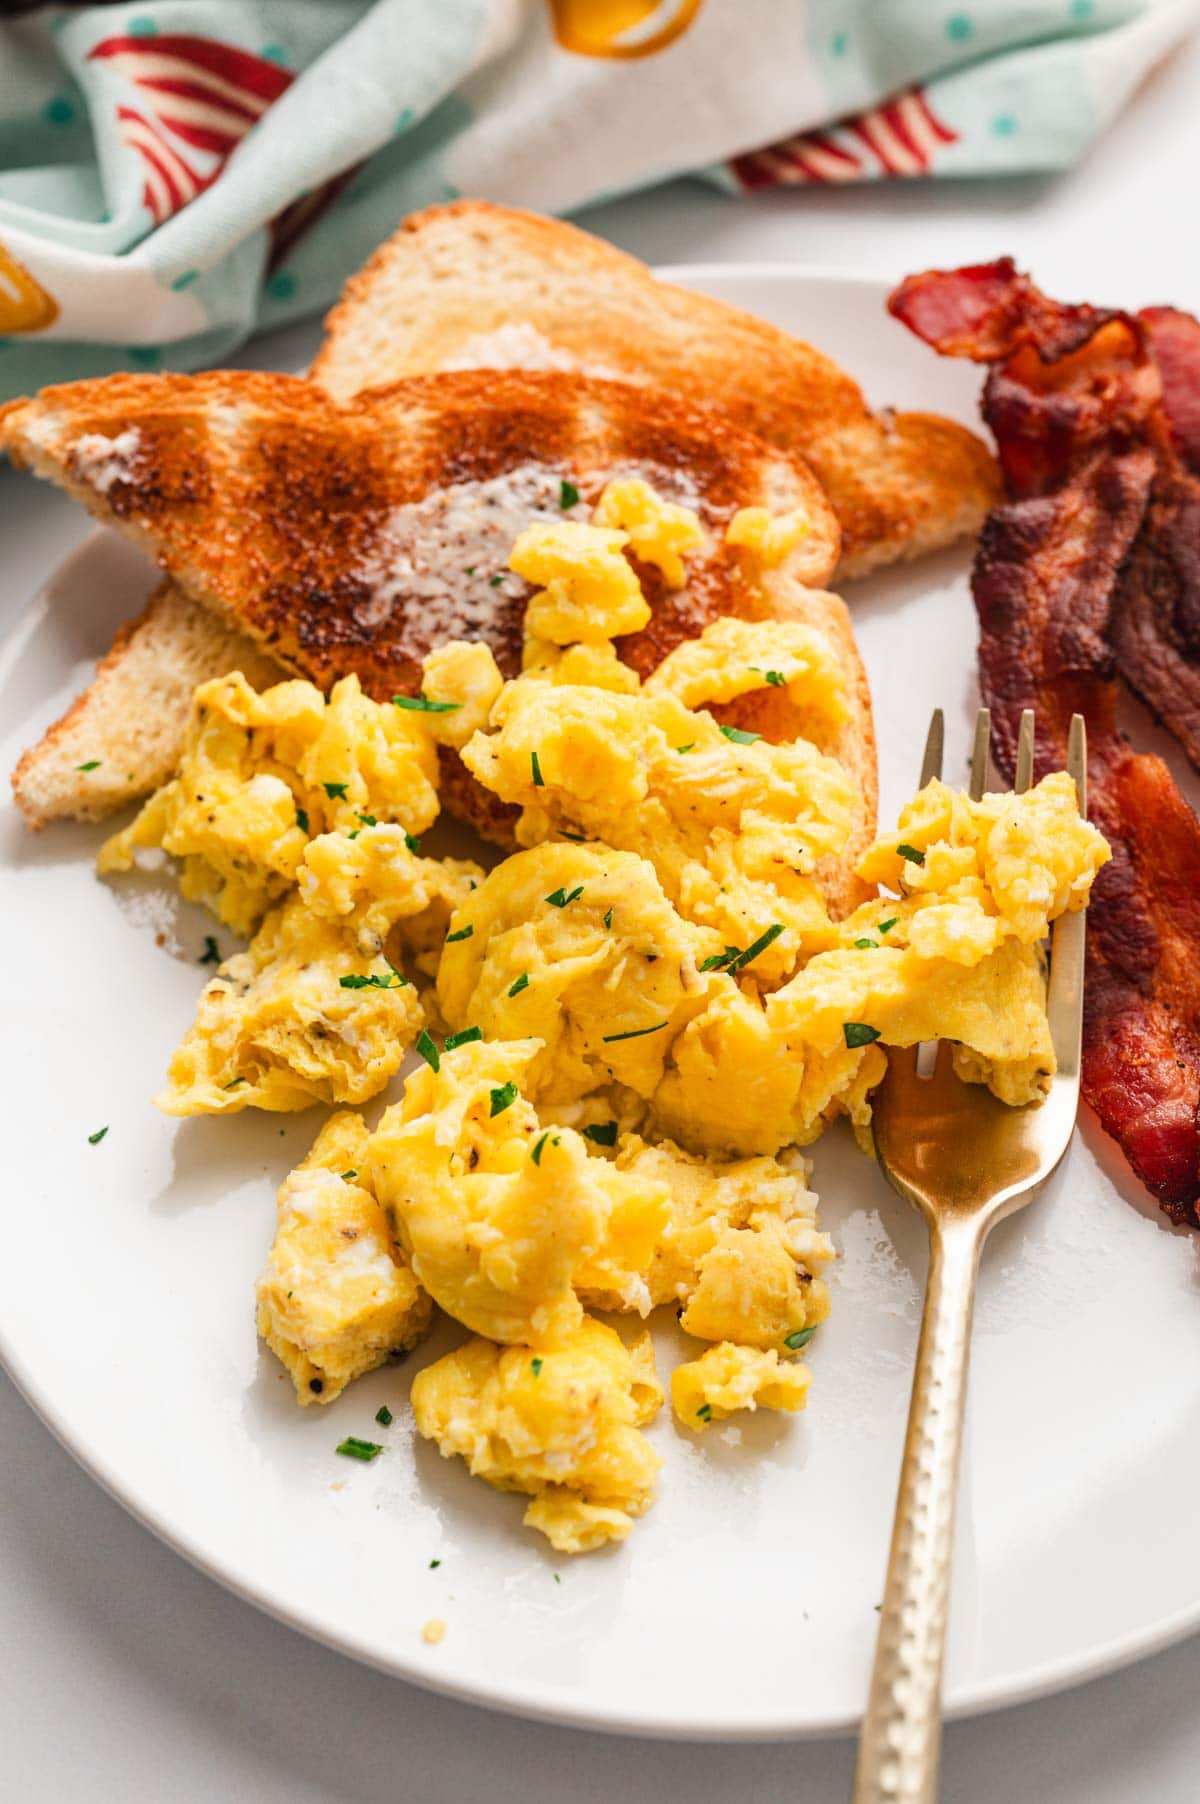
point(743, 1605)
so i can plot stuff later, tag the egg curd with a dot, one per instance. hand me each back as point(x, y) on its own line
point(562, 1425)
point(729, 1378)
point(337, 1296)
point(260, 772)
point(627, 1028)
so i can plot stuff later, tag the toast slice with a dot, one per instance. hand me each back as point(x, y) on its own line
point(121, 737)
point(472, 284)
point(356, 538)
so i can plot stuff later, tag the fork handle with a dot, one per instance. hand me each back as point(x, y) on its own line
point(901, 1733)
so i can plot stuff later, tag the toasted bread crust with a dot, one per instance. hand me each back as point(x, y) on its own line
point(900, 485)
point(128, 723)
point(272, 505)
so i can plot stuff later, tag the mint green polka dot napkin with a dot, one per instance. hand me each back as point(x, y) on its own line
point(176, 174)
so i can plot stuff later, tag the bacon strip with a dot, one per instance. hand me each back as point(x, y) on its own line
point(1091, 566)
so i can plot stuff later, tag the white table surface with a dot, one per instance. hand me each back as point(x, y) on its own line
point(127, 1675)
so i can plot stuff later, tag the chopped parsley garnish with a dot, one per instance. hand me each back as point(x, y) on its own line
point(354, 1448)
point(346, 1176)
point(740, 736)
point(558, 1578)
point(717, 961)
point(368, 820)
point(335, 791)
point(536, 1154)
point(463, 1039)
point(752, 951)
point(635, 1033)
point(97, 1137)
point(233, 1083)
point(776, 678)
point(503, 1098)
point(464, 933)
point(604, 1133)
point(800, 1337)
point(911, 853)
point(857, 1033)
point(92, 764)
point(733, 959)
point(428, 1050)
point(568, 494)
point(535, 1366)
point(394, 980)
point(539, 781)
point(302, 819)
point(686, 748)
point(495, 581)
point(421, 704)
point(558, 898)
point(608, 920)
point(886, 926)
point(470, 570)
point(434, 1564)
point(212, 952)
point(866, 945)
point(704, 1413)
point(384, 1416)
point(522, 983)
point(413, 843)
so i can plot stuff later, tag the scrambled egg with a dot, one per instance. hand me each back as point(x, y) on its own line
point(719, 666)
point(591, 591)
point(739, 1249)
point(562, 1426)
point(1005, 866)
point(336, 1296)
point(649, 1008)
point(261, 773)
point(278, 1028)
point(578, 947)
point(732, 824)
point(728, 1378)
point(765, 537)
point(501, 1216)
point(512, 1224)
point(958, 956)
point(315, 1010)
point(658, 531)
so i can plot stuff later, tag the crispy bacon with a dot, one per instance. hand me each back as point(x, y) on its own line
point(1092, 566)
point(1156, 619)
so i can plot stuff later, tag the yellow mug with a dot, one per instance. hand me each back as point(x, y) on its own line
point(596, 27)
point(24, 304)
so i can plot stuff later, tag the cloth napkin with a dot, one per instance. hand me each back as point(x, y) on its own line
point(178, 173)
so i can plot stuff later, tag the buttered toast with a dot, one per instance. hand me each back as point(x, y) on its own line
point(357, 537)
point(475, 283)
point(472, 284)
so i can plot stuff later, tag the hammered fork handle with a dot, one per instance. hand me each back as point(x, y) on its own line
point(901, 1733)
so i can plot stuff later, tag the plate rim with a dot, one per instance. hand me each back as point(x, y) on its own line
point(535, 1702)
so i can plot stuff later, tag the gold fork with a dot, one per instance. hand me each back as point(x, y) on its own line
point(965, 1160)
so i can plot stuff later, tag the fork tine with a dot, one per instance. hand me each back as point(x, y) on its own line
point(1077, 758)
point(1064, 994)
point(935, 745)
point(1025, 739)
point(979, 753)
